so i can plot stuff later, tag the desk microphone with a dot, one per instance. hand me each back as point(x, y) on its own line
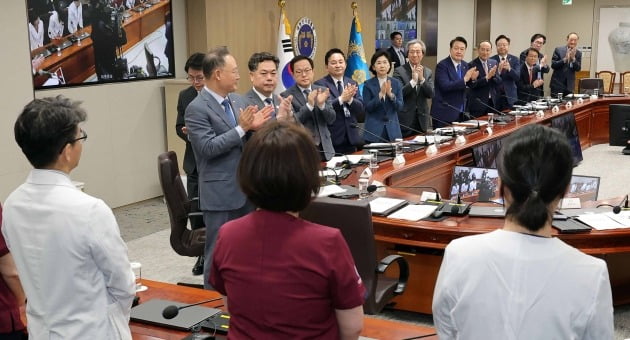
point(617, 208)
point(337, 181)
point(465, 114)
point(420, 133)
point(171, 311)
point(45, 73)
point(375, 135)
point(504, 117)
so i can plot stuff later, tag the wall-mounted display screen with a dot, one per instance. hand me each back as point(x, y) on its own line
point(80, 42)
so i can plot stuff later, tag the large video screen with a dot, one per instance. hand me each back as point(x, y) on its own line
point(81, 42)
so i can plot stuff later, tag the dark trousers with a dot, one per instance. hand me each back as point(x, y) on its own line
point(213, 221)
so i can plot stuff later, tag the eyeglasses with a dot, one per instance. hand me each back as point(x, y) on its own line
point(197, 79)
point(304, 71)
point(72, 141)
point(83, 137)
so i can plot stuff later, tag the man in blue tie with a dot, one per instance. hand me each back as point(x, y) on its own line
point(452, 76)
point(263, 72)
point(217, 122)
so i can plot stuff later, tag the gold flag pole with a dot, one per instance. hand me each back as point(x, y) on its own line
point(355, 7)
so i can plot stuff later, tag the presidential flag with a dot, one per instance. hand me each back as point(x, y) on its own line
point(357, 67)
point(284, 53)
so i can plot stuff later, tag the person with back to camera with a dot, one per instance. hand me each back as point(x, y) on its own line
point(382, 97)
point(297, 279)
point(519, 282)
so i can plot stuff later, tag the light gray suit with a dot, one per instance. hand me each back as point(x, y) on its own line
point(315, 121)
point(217, 147)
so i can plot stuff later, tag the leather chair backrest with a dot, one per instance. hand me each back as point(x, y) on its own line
point(354, 219)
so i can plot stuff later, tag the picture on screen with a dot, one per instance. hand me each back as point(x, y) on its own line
point(474, 184)
point(585, 188)
point(566, 125)
point(485, 155)
point(81, 42)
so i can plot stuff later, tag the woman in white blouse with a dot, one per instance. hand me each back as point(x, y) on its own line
point(519, 282)
point(35, 31)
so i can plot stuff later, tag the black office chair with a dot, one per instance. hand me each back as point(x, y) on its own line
point(184, 241)
point(354, 220)
point(153, 70)
point(588, 85)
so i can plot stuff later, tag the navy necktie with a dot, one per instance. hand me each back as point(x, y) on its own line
point(269, 101)
point(339, 87)
point(228, 111)
point(459, 71)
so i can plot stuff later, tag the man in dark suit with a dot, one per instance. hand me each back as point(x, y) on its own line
point(417, 83)
point(537, 42)
point(263, 72)
point(509, 68)
point(484, 90)
point(452, 76)
point(565, 62)
point(217, 122)
point(194, 74)
point(530, 87)
point(310, 104)
point(396, 51)
point(346, 101)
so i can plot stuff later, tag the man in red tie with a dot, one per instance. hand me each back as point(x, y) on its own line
point(530, 87)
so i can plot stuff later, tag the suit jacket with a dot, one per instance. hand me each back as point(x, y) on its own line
point(344, 136)
point(415, 112)
point(543, 70)
point(218, 147)
point(315, 121)
point(507, 88)
point(482, 88)
point(563, 76)
point(526, 91)
point(450, 92)
point(395, 57)
point(185, 97)
point(379, 113)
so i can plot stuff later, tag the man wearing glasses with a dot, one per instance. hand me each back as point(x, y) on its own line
point(194, 74)
point(66, 244)
point(311, 105)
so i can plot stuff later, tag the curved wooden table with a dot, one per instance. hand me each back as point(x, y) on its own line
point(422, 243)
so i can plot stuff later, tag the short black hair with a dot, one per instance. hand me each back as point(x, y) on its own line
point(394, 34)
point(260, 57)
point(502, 36)
point(214, 59)
point(568, 35)
point(460, 39)
point(45, 126)
point(379, 53)
point(535, 164)
point(538, 35)
point(299, 58)
point(331, 52)
point(532, 49)
point(279, 167)
point(195, 62)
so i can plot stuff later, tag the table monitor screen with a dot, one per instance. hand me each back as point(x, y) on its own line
point(566, 125)
point(485, 155)
point(475, 184)
point(585, 188)
point(619, 126)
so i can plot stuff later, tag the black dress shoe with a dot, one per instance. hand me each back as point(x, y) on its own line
point(198, 267)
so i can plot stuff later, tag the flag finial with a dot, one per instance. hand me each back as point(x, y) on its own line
point(282, 3)
point(354, 7)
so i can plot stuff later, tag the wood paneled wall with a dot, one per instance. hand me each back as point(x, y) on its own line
point(212, 23)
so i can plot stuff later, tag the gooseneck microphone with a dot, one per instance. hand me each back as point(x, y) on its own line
point(171, 311)
point(461, 111)
point(503, 117)
point(355, 126)
point(617, 209)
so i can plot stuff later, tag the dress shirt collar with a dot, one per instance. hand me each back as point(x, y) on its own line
point(335, 80)
point(49, 176)
point(381, 80)
point(455, 63)
point(215, 95)
point(261, 96)
point(310, 89)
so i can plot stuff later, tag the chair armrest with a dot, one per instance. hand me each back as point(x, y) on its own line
point(193, 216)
point(403, 271)
point(194, 204)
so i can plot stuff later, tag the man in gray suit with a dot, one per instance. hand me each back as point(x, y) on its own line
point(311, 105)
point(217, 122)
point(417, 83)
point(263, 72)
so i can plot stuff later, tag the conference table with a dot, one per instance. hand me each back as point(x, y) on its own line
point(422, 243)
point(372, 328)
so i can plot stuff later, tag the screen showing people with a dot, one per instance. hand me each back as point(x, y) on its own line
point(585, 188)
point(474, 184)
point(96, 41)
point(566, 125)
point(485, 155)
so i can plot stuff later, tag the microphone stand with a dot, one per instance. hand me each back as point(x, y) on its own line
point(504, 118)
point(420, 133)
point(391, 145)
point(465, 114)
